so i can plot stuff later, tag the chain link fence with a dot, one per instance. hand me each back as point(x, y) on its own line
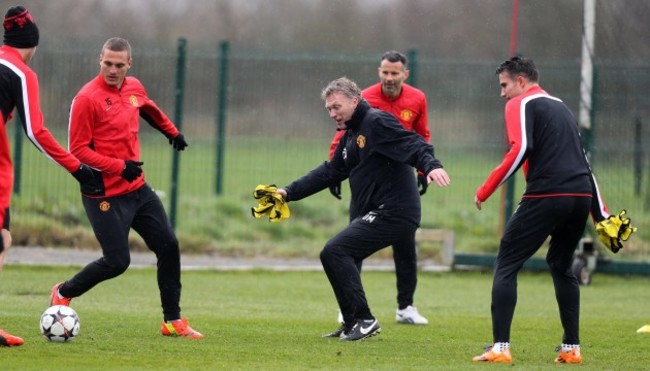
point(277, 128)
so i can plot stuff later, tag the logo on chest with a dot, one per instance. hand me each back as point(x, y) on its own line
point(133, 100)
point(406, 115)
point(361, 141)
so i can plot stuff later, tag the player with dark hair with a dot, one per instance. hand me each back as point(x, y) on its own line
point(19, 89)
point(378, 157)
point(104, 133)
point(409, 106)
point(560, 192)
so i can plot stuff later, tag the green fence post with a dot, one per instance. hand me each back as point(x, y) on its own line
point(178, 120)
point(18, 153)
point(412, 62)
point(588, 135)
point(221, 113)
point(638, 156)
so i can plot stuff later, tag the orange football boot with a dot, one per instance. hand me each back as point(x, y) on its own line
point(179, 327)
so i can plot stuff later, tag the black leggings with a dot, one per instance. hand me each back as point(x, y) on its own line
point(406, 268)
point(562, 218)
point(362, 237)
point(111, 219)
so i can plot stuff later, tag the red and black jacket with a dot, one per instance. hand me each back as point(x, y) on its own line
point(19, 89)
point(544, 139)
point(104, 131)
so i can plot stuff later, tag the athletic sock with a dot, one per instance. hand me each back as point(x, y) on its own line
point(570, 347)
point(500, 347)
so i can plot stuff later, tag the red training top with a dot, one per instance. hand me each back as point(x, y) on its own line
point(19, 89)
point(104, 126)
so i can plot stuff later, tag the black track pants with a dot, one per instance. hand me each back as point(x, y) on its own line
point(111, 219)
point(562, 218)
point(406, 268)
point(362, 237)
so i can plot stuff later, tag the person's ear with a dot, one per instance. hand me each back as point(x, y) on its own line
point(521, 81)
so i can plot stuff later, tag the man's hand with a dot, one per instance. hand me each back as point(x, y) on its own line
point(477, 202)
point(335, 190)
point(439, 176)
point(178, 142)
point(84, 174)
point(423, 183)
point(132, 170)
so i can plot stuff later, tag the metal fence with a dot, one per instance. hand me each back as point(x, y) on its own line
point(274, 98)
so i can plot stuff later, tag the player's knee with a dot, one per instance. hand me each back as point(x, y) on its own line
point(325, 254)
point(167, 247)
point(330, 252)
point(118, 264)
point(559, 269)
point(558, 263)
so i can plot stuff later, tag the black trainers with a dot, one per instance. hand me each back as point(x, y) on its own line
point(362, 329)
point(336, 333)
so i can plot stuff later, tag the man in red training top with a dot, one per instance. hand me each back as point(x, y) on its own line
point(19, 90)
point(409, 106)
point(104, 132)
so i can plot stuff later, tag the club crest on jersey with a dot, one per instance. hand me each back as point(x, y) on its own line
point(133, 100)
point(361, 141)
point(406, 115)
point(104, 206)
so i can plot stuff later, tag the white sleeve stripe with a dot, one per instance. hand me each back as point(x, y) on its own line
point(601, 204)
point(524, 136)
point(28, 118)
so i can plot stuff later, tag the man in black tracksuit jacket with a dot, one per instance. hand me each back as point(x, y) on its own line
point(377, 155)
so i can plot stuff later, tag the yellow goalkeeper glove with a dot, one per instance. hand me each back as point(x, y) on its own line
point(271, 203)
point(613, 230)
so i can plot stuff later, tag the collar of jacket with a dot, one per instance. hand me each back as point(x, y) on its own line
point(358, 115)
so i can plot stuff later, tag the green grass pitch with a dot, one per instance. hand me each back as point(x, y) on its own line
point(266, 320)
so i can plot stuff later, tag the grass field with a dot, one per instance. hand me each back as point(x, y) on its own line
point(263, 320)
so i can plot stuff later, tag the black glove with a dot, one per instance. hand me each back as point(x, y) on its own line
point(178, 142)
point(132, 170)
point(335, 190)
point(422, 183)
point(84, 174)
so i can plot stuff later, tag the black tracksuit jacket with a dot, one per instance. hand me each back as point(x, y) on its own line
point(378, 155)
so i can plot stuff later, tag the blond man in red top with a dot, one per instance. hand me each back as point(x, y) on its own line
point(104, 132)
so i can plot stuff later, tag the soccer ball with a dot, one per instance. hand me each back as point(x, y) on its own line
point(60, 324)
